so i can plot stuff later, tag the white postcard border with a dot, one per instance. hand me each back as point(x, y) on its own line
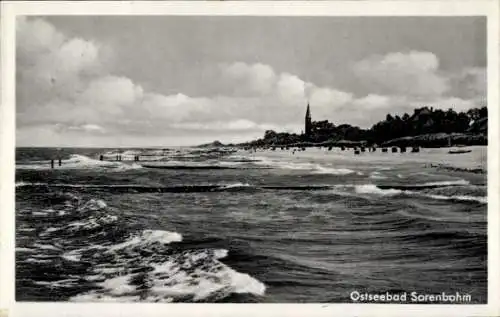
point(10, 10)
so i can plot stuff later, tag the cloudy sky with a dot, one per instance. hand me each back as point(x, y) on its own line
point(154, 81)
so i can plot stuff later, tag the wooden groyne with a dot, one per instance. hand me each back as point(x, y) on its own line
point(52, 162)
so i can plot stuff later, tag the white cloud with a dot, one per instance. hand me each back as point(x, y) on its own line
point(64, 93)
point(291, 89)
point(86, 128)
point(446, 103)
point(374, 102)
point(249, 79)
point(36, 35)
point(470, 83)
point(111, 94)
point(409, 74)
point(326, 97)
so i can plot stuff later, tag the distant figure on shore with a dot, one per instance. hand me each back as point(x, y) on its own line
point(59, 162)
point(52, 163)
point(101, 157)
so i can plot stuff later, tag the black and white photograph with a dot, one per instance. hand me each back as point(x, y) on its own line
point(251, 159)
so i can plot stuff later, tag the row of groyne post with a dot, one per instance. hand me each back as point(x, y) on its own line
point(118, 158)
point(356, 149)
point(394, 149)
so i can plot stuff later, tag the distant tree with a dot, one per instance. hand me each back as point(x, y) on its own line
point(483, 112)
point(269, 134)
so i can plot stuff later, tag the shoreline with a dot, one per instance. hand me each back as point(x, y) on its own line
point(432, 140)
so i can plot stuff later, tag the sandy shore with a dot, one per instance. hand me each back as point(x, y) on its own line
point(476, 159)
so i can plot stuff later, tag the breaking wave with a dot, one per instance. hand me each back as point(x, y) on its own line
point(446, 190)
point(313, 167)
point(93, 250)
point(77, 161)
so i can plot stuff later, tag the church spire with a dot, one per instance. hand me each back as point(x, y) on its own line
point(308, 122)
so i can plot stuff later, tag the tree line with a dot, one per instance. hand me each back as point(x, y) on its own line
point(422, 121)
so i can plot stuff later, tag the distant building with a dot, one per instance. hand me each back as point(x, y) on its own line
point(308, 123)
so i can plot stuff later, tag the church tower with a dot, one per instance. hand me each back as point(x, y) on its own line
point(308, 125)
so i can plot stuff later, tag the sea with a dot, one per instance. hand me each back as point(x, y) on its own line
point(227, 225)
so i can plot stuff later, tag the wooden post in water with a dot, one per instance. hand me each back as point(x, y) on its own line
point(60, 163)
point(52, 163)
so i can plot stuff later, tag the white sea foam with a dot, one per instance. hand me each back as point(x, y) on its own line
point(147, 237)
point(93, 205)
point(93, 297)
point(447, 183)
point(313, 167)
point(72, 257)
point(318, 169)
point(482, 200)
point(236, 185)
point(46, 247)
point(37, 261)
point(26, 229)
point(197, 275)
point(27, 250)
point(39, 213)
point(60, 283)
point(92, 223)
point(373, 189)
point(49, 231)
point(377, 175)
point(216, 282)
point(78, 161)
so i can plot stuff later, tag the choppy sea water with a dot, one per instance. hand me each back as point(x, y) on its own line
point(204, 225)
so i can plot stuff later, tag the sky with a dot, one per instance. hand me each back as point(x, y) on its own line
point(185, 80)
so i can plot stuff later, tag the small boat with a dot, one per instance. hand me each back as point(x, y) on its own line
point(458, 151)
